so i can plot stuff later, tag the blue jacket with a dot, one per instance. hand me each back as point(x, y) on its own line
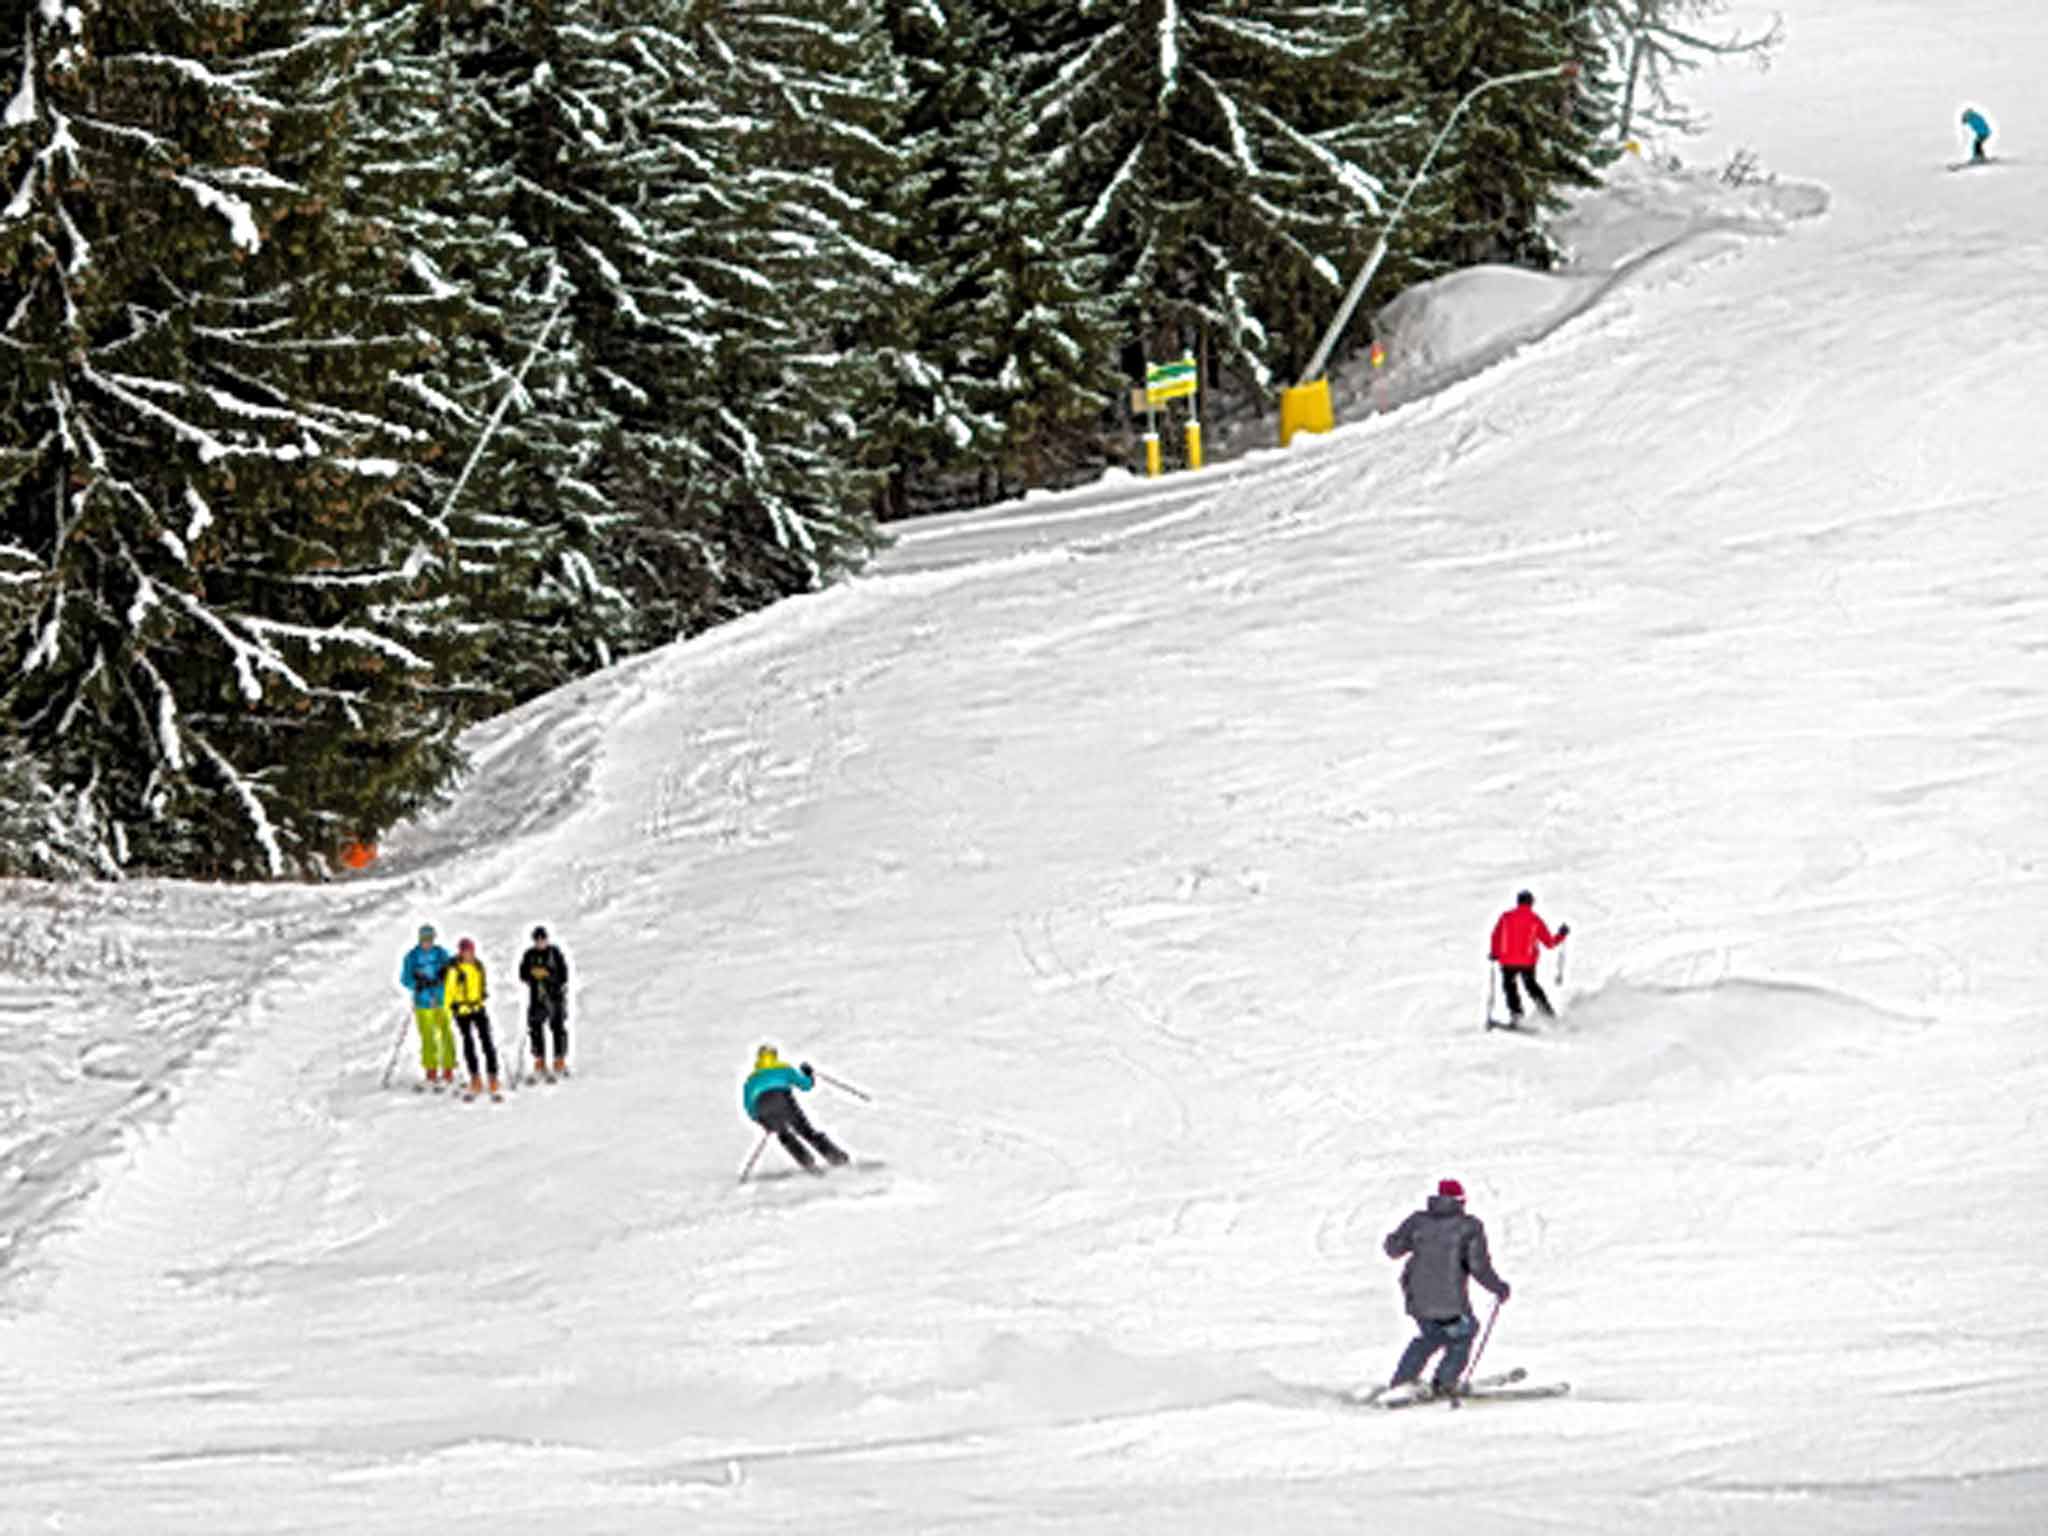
point(772, 1079)
point(1974, 121)
point(424, 971)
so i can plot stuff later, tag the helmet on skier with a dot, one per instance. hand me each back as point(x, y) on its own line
point(765, 1058)
point(1525, 898)
point(465, 946)
point(1450, 1189)
point(426, 933)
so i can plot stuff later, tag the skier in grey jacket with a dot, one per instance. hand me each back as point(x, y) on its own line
point(1444, 1246)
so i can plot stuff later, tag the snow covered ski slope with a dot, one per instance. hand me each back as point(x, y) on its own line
point(1144, 879)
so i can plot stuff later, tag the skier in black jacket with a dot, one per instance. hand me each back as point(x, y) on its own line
point(545, 970)
point(1444, 1247)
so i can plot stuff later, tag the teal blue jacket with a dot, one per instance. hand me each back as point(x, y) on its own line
point(771, 1079)
point(424, 973)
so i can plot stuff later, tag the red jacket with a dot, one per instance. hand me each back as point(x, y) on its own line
point(1517, 934)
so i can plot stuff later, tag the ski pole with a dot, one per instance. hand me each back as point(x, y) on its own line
point(397, 1045)
point(842, 1085)
point(1492, 981)
point(1560, 963)
point(1473, 1364)
point(759, 1147)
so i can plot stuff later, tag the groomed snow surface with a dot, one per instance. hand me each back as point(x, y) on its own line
point(1143, 874)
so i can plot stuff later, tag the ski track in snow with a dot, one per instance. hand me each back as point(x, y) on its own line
point(1140, 863)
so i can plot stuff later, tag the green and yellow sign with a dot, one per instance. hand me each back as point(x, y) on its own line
point(1170, 381)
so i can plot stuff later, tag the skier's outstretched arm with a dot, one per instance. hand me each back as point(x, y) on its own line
point(1401, 1241)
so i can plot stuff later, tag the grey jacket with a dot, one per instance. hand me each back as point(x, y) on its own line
point(1443, 1246)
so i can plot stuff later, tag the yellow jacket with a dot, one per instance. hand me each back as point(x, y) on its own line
point(466, 986)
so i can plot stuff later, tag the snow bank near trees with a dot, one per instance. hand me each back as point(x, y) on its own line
point(1476, 313)
point(1649, 205)
point(1648, 215)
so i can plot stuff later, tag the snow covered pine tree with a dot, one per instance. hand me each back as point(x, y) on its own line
point(195, 453)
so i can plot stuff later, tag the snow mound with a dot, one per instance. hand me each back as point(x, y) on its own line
point(1475, 313)
point(1646, 215)
point(1685, 1040)
point(1648, 206)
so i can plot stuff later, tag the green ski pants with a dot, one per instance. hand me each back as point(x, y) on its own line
point(437, 1039)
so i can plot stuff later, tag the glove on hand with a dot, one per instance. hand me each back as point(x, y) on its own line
point(1563, 929)
point(805, 1068)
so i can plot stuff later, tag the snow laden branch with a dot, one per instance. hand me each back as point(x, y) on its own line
point(243, 791)
point(239, 217)
point(249, 660)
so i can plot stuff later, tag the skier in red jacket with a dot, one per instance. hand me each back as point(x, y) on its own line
point(1515, 938)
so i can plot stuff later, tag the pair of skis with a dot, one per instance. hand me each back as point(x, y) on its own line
point(1506, 1386)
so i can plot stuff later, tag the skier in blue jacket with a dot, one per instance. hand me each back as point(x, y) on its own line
point(1974, 121)
point(770, 1098)
point(424, 973)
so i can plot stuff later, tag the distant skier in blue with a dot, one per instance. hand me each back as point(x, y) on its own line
point(1974, 121)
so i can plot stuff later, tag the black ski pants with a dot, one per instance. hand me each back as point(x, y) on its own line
point(1512, 979)
point(476, 1030)
point(548, 1013)
point(778, 1112)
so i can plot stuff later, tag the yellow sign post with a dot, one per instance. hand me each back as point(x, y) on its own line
point(1172, 381)
point(1141, 405)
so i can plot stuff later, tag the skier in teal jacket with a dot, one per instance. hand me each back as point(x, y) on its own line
point(424, 973)
point(1974, 121)
point(770, 1099)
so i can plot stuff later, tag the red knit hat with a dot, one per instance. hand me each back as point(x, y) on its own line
point(1450, 1189)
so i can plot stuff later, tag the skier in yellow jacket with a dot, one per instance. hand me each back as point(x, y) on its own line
point(466, 997)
